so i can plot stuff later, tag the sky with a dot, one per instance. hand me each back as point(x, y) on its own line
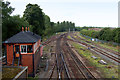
point(98, 13)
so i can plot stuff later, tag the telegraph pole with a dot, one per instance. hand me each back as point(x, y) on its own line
point(73, 30)
point(69, 30)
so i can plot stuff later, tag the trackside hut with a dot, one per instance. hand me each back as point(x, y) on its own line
point(23, 49)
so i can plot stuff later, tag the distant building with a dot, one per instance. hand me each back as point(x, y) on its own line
point(112, 28)
point(95, 29)
point(23, 49)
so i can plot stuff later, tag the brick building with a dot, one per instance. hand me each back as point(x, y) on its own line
point(24, 49)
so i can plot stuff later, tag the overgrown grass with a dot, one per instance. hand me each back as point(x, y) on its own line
point(106, 72)
point(69, 37)
point(78, 34)
point(10, 72)
point(106, 45)
point(114, 48)
point(33, 78)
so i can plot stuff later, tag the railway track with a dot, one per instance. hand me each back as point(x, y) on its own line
point(62, 69)
point(94, 44)
point(50, 40)
point(77, 67)
point(96, 49)
point(51, 75)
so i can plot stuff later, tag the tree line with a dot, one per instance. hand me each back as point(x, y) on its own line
point(34, 18)
point(106, 34)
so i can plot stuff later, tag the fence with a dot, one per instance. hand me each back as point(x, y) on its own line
point(102, 41)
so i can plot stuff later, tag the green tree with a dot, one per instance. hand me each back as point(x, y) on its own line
point(106, 34)
point(64, 26)
point(6, 11)
point(11, 24)
point(34, 15)
point(14, 25)
point(116, 35)
point(48, 28)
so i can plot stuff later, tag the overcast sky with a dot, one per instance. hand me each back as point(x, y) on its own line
point(102, 13)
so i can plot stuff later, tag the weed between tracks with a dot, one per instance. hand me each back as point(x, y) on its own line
point(107, 71)
point(109, 46)
point(78, 34)
point(69, 37)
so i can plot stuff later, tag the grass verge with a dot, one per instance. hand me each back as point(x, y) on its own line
point(114, 48)
point(106, 72)
point(69, 37)
point(106, 45)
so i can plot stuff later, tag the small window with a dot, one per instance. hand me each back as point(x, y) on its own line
point(29, 49)
point(26, 49)
point(23, 48)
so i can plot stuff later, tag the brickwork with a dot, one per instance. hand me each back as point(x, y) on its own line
point(27, 60)
point(9, 54)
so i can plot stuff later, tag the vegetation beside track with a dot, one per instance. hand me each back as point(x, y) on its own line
point(40, 23)
point(107, 34)
point(10, 72)
point(31, 78)
point(109, 46)
point(83, 37)
point(106, 45)
point(105, 71)
point(69, 37)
